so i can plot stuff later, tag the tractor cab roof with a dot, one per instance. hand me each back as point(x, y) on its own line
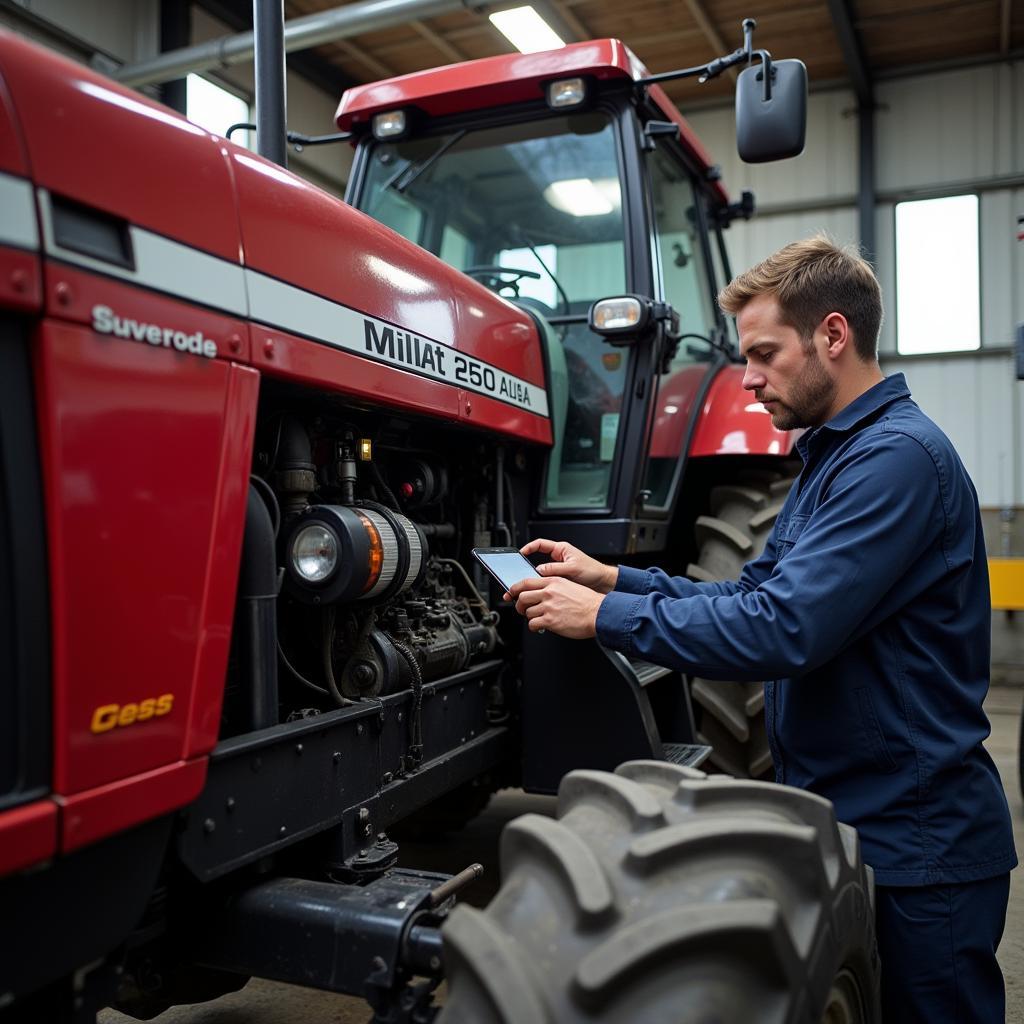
point(510, 79)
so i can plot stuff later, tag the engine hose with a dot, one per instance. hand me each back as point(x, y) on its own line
point(388, 494)
point(416, 719)
point(297, 675)
point(339, 698)
point(488, 617)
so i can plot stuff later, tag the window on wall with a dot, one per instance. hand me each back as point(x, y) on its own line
point(216, 109)
point(938, 292)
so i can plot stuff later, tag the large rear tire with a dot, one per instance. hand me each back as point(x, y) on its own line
point(662, 895)
point(732, 713)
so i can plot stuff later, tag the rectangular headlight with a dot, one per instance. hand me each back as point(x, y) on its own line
point(569, 92)
point(618, 314)
point(389, 124)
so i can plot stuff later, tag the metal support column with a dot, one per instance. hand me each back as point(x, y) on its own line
point(867, 192)
point(271, 102)
point(853, 55)
point(175, 32)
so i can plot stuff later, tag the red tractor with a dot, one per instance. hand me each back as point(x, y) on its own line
point(248, 438)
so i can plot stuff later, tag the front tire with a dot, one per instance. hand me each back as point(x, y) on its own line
point(662, 895)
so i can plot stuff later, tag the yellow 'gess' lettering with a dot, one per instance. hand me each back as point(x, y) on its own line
point(113, 716)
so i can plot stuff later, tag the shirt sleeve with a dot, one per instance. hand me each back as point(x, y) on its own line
point(882, 513)
point(656, 581)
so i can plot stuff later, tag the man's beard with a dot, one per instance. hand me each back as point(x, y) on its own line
point(810, 397)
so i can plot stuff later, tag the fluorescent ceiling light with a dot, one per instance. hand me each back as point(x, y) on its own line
point(526, 30)
point(579, 197)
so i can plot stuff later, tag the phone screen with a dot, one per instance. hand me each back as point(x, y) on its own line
point(509, 567)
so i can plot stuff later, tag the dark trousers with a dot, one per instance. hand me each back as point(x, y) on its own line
point(937, 944)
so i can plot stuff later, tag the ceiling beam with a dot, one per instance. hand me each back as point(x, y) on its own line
point(705, 24)
point(853, 54)
point(237, 15)
point(453, 53)
point(572, 20)
point(888, 16)
point(302, 33)
point(711, 33)
point(561, 20)
point(683, 35)
point(361, 55)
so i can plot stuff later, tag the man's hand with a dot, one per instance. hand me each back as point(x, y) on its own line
point(556, 604)
point(572, 564)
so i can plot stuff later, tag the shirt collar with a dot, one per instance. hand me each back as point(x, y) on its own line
point(871, 402)
point(861, 408)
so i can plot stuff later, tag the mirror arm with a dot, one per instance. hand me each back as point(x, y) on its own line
point(766, 73)
point(297, 139)
point(744, 55)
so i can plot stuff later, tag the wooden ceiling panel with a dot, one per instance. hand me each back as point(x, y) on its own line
point(911, 38)
point(667, 34)
point(864, 10)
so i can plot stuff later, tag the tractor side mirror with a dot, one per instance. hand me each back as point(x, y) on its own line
point(771, 110)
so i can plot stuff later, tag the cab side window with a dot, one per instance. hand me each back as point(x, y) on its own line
point(680, 254)
point(681, 265)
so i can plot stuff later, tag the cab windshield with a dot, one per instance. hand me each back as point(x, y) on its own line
point(535, 211)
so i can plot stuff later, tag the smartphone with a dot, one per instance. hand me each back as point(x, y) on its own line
point(506, 565)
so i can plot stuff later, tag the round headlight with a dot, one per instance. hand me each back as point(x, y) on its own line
point(314, 553)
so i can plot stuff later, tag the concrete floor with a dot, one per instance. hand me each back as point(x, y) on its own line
point(263, 1002)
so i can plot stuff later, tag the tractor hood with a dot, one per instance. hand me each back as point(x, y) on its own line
point(285, 277)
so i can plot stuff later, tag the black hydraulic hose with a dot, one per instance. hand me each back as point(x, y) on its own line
point(500, 526)
point(416, 718)
point(257, 608)
point(328, 624)
point(298, 676)
point(381, 484)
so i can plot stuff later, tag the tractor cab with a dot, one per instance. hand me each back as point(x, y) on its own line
point(559, 180)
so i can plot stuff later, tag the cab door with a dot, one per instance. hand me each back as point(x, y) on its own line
point(683, 275)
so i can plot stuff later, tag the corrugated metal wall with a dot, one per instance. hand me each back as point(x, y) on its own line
point(938, 134)
point(127, 30)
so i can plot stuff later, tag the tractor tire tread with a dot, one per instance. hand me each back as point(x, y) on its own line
point(739, 902)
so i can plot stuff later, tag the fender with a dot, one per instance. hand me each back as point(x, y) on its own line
point(733, 422)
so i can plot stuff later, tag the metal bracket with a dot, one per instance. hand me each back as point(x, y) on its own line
point(744, 210)
point(654, 130)
point(330, 936)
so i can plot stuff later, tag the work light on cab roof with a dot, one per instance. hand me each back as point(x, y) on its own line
point(389, 125)
point(567, 93)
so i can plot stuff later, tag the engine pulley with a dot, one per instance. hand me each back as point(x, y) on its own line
point(335, 553)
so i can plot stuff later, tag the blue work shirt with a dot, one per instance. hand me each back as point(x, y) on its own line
point(870, 610)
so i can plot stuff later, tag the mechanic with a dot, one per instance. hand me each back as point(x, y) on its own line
point(870, 610)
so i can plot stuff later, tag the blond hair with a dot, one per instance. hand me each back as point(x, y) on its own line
point(810, 279)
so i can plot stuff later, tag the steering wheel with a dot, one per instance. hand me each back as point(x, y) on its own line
point(499, 278)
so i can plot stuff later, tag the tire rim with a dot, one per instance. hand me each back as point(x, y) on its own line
point(844, 1005)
